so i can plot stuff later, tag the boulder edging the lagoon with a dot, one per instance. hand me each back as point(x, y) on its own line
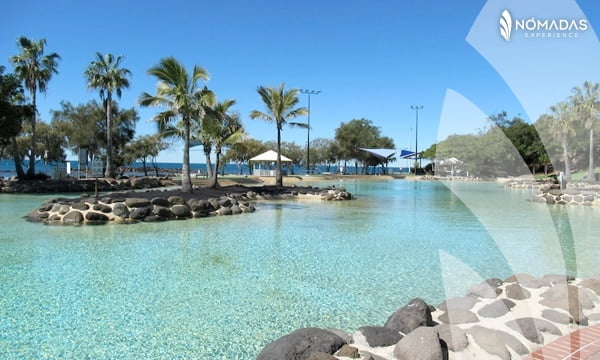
point(517, 316)
point(156, 205)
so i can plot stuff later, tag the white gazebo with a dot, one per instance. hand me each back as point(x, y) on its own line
point(268, 157)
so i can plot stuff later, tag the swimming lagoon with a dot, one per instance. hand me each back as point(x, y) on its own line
point(223, 287)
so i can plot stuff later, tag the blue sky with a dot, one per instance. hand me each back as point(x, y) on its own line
point(371, 59)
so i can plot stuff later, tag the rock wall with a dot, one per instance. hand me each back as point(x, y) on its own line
point(151, 206)
point(569, 196)
point(496, 319)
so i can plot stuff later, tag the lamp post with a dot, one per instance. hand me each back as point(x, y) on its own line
point(416, 108)
point(309, 93)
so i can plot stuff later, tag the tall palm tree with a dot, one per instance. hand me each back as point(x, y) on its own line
point(280, 105)
point(184, 100)
point(105, 74)
point(35, 69)
point(562, 128)
point(221, 125)
point(587, 103)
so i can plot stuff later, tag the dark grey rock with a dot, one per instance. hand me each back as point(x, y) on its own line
point(54, 218)
point(224, 211)
point(495, 342)
point(321, 356)
point(73, 217)
point(531, 328)
point(201, 214)
point(518, 277)
point(64, 209)
point(46, 207)
point(96, 217)
point(494, 282)
point(198, 205)
point(485, 290)
point(139, 213)
point(161, 211)
point(458, 317)
point(248, 209)
point(181, 211)
point(517, 292)
point(458, 303)
point(300, 344)
point(347, 337)
point(380, 336)
point(235, 210)
point(349, 352)
point(411, 316)
point(569, 298)
point(592, 284)
point(80, 206)
point(106, 200)
point(557, 317)
point(102, 208)
point(121, 210)
point(160, 201)
point(496, 308)
point(454, 337)
point(422, 343)
point(153, 218)
point(224, 202)
point(176, 200)
point(137, 202)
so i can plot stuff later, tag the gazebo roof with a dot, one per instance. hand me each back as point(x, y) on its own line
point(270, 156)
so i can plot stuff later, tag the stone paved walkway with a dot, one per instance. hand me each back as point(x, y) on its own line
point(581, 344)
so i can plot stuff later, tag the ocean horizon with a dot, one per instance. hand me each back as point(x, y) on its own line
point(7, 168)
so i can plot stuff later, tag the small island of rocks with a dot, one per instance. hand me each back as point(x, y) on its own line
point(160, 205)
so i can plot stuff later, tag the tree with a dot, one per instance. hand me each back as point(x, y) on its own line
point(220, 125)
point(241, 152)
point(12, 110)
point(105, 74)
point(280, 105)
point(353, 135)
point(82, 126)
point(561, 125)
point(35, 69)
point(145, 147)
point(586, 101)
point(184, 101)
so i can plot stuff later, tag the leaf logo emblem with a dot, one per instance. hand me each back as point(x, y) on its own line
point(506, 25)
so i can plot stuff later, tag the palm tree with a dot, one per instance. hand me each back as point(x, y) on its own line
point(35, 69)
point(587, 103)
point(221, 126)
point(184, 101)
point(106, 75)
point(280, 105)
point(561, 125)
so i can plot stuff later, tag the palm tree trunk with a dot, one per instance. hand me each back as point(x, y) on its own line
point(186, 181)
point(207, 150)
point(17, 160)
point(591, 176)
point(108, 172)
point(213, 179)
point(566, 159)
point(31, 170)
point(278, 176)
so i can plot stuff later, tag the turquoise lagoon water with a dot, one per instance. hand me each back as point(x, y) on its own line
point(223, 287)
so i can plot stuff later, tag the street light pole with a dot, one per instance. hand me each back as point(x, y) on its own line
point(309, 93)
point(416, 108)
